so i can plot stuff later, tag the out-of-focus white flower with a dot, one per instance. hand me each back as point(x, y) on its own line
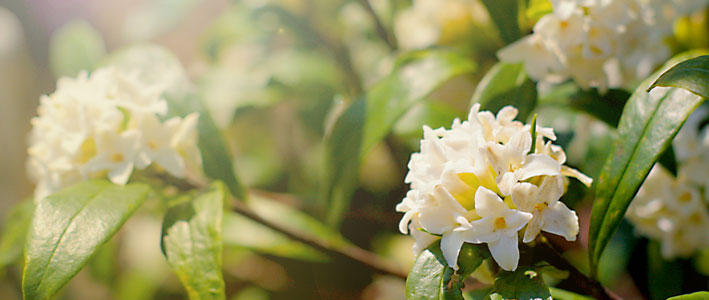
point(428, 22)
point(479, 182)
point(599, 43)
point(106, 124)
point(674, 210)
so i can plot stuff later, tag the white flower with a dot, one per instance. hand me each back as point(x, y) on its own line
point(106, 125)
point(599, 43)
point(461, 176)
point(674, 210)
point(115, 153)
point(430, 22)
point(498, 227)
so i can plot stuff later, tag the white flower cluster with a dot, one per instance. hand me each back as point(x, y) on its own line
point(674, 210)
point(478, 182)
point(599, 43)
point(107, 124)
point(428, 22)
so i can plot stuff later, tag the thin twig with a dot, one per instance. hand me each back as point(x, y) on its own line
point(365, 258)
point(354, 253)
point(384, 34)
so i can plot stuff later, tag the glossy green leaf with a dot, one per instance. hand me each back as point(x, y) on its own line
point(68, 227)
point(504, 13)
point(608, 108)
point(693, 296)
point(14, 232)
point(506, 84)
point(192, 243)
point(523, 284)
point(432, 278)
point(646, 129)
point(75, 47)
point(691, 74)
point(369, 119)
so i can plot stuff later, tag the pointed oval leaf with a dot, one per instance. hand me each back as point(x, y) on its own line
point(369, 119)
point(67, 229)
point(525, 283)
point(504, 14)
point(432, 278)
point(691, 74)
point(646, 129)
point(693, 296)
point(192, 243)
point(506, 84)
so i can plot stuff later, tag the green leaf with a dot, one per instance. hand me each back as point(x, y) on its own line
point(432, 278)
point(75, 47)
point(192, 243)
point(156, 65)
point(608, 108)
point(693, 296)
point(645, 131)
point(216, 156)
point(369, 119)
point(660, 284)
point(14, 232)
point(560, 294)
point(504, 13)
point(506, 84)
point(68, 227)
point(691, 75)
point(522, 284)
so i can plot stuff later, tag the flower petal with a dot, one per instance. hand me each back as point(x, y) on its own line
point(560, 220)
point(450, 246)
point(516, 219)
point(571, 172)
point(533, 228)
point(505, 252)
point(488, 204)
point(536, 165)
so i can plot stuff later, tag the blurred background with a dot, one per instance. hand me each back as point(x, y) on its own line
point(275, 74)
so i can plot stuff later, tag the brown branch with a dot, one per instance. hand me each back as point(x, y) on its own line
point(384, 34)
point(365, 258)
point(354, 253)
point(581, 283)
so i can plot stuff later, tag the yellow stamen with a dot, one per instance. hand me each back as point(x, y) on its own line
point(500, 223)
point(541, 206)
point(117, 157)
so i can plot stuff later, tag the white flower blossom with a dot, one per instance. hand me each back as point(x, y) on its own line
point(674, 210)
point(479, 182)
point(106, 125)
point(429, 22)
point(599, 43)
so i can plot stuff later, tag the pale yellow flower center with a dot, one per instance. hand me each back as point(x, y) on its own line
point(466, 196)
point(117, 157)
point(500, 223)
